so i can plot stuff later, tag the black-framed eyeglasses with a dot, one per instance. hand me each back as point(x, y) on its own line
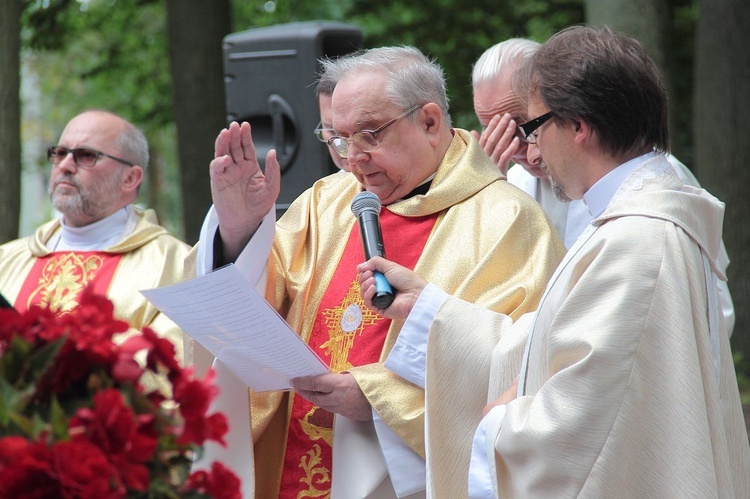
point(83, 157)
point(365, 140)
point(527, 129)
point(323, 134)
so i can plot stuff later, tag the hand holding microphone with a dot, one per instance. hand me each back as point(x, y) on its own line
point(366, 207)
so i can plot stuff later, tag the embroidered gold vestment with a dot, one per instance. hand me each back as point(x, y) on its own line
point(149, 257)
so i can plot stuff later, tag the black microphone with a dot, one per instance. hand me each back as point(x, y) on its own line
point(366, 207)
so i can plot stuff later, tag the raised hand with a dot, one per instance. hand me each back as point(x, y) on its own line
point(498, 140)
point(242, 193)
point(408, 286)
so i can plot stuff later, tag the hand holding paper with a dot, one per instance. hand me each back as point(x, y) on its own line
point(225, 314)
point(338, 393)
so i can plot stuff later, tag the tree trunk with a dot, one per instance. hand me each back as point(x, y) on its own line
point(648, 22)
point(721, 131)
point(196, 29)
point(645, 20)
point(10, 118)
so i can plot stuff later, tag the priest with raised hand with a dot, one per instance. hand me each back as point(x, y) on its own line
point(447, 212)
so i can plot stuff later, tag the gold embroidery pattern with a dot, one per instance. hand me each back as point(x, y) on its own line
point(324, 428)
point(63, 279)
point(344, 323)
point(310, 464)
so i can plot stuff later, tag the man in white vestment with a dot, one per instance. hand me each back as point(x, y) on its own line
point(101, 241)
point(500, 109)
point(623, 384)
point(359, 431)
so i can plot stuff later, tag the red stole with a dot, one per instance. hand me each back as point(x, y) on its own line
point(345, 334)
point(58, 279)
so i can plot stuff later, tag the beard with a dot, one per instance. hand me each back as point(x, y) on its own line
point(557, 188)
point(91, 204)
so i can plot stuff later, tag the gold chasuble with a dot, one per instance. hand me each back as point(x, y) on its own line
point(472, 234)
point(149, 257)
point(345, 334)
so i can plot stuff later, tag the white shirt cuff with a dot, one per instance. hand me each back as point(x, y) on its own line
point(481, 483)
point(409, 354)
point(252, 261)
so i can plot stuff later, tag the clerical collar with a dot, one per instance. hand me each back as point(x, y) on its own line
point(95, 236)
point(421, 188)
point(598, 197)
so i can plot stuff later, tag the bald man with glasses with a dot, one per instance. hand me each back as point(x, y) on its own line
point(446, 213)
point(101, 240)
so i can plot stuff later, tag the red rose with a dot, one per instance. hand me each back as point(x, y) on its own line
point(194, 398)
point(198, 430)
point(126, 440)
point(90, 428)
point(194, 395)
point(68, 470)
point(110, 425)
point(220, 483)
point(11, 448)
point(26, 469)
point(161, 357)
point(126, 369)
point(84, 472)
point(37, 325)
point(161, 351)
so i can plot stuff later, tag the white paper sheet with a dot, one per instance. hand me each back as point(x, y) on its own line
point(225, 314)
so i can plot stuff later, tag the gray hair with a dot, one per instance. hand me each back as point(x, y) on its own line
point(412, 78)
point(133, 145)
point(326, 80)
point(325, 86)
point(514, 51)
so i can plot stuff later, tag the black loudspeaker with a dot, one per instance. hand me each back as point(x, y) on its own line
point(269, 76)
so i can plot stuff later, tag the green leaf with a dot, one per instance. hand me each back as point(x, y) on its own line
point(59, 421)
point(39, 424)
point(41, 360)
point(7, 392)
point(14, 359)
point(13, 401)
point(24, 424)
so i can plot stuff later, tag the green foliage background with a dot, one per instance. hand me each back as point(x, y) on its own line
point(113, 54)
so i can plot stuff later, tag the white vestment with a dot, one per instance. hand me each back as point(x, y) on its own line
point(570, 220)
point(627, 386)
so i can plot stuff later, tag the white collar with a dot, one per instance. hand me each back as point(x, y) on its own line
point(95, 236)
point(598, 197)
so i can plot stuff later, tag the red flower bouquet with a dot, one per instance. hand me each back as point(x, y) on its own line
point(76, 420)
